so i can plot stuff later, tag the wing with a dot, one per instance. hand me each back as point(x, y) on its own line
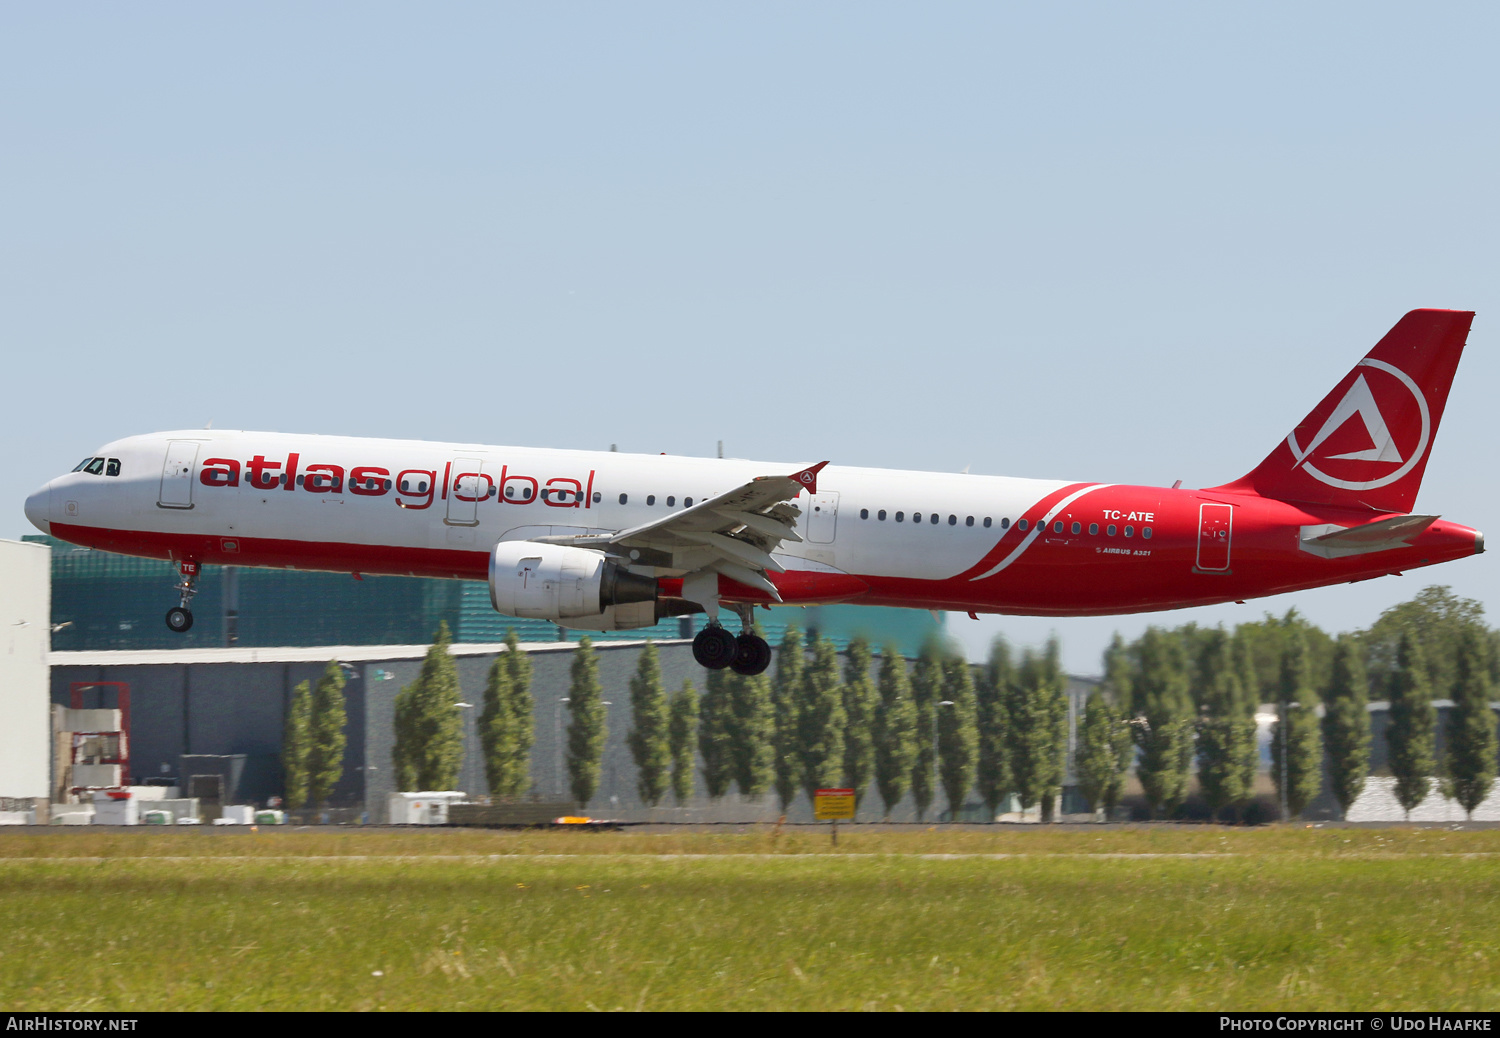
point(733, 534)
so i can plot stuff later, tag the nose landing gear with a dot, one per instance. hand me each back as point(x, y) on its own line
point(180, 617)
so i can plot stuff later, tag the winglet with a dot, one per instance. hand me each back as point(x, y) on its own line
point(808, 477)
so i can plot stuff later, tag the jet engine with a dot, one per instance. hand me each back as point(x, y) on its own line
point(570, 586)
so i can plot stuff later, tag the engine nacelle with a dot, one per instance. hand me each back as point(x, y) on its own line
point(556, 582)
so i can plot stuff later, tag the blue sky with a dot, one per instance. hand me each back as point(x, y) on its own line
point(1131, 243)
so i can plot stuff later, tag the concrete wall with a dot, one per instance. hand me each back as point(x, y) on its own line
point(25, 635)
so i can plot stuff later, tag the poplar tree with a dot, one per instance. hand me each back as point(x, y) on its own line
point(1035, 746)
point(821, 719)
point(1118, 668)
point(926, 680)
point(1162, 727)
point(649, 739)
point(325, 751)
point(1104, 751)
point(1471, 725)
point(1225, 734)
point(587, 729)
point(295, 740)
point(507, 727)
point(1346, 723)
point(859, 719)
point(786, 690)
point(752, 710)
point(991, 775)
point(683, 726)
point(715, 734)
point(1412, 723)
point(958, 735)
point(1296, 732)
point(429, 729)
point(895, 729)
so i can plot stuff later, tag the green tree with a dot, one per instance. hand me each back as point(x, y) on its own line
point(429, 729)
point(683, 726)
point(958, 734)
point(295, 742)
point(1163, 727)
point(786, 691)
point(991, 693)
point(1037, 743)
point(1104, 751)
point(1436, 619)
point(716, 734)
point(587, 729)
point(821, 720)
point(325, 752)
point(859, 719)
point(1296, 741)
point(895, 729)
point(649, 739)
point(1412, 723)
point(926, 684)
point(1346, 723)
point(752, 709)
point(1119, 667)
point(507, 728)
point(1471, 725)
point(1226, 736)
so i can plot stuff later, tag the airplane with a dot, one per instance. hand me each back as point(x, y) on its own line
point(615, 541)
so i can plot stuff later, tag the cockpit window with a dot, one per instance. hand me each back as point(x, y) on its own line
point(112, 467)
point(80, 466)
point(94, 467)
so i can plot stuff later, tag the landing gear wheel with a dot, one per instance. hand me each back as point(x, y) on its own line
point(751, 655)
point(714, 648)
point(180, 619)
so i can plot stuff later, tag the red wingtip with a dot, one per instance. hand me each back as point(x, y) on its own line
point(808, 477)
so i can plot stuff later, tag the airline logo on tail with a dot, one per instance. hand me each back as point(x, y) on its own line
point(1371, 439)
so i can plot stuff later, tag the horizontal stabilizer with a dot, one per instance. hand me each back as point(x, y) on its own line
point(1335, 542)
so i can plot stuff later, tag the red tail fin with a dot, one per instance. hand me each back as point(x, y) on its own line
point(1366, 445)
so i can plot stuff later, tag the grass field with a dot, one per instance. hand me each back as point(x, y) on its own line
point(1150, 917)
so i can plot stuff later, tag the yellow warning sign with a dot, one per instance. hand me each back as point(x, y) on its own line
point(831, 805)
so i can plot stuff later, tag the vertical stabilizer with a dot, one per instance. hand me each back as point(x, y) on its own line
point(1366, 444)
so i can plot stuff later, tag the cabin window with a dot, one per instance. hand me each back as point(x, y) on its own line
point(300, 480)
point(1146, 532)
point(1077, 528)
point(934, 518)
point(624, 498)
point(953, 520)
point(672, 502)
point(864, 513)
point(1093, 529)
point(650, 499)
point(880, 515)
point(598, 497)
point(900, 516)
point(1022, 525)
point(1130, 531)
point(687, 502)
point(1111, 530)
point(969, 521)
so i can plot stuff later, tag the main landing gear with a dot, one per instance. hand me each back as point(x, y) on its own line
point(715, 648)
point(180, 617)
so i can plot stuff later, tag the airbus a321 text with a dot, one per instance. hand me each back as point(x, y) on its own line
point(607, 541)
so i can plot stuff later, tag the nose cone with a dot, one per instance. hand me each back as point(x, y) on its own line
point(39, 509)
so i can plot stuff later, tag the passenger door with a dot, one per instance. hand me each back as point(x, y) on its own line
point(177, 475)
